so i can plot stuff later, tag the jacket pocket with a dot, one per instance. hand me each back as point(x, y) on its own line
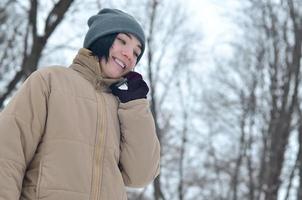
point(39, 180)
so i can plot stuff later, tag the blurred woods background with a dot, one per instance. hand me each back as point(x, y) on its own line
point(232, 133)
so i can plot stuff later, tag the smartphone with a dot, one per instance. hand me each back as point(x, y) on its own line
point(122, 84)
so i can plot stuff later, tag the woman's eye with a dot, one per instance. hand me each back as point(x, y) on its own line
point(121, 40)
point(135, 54)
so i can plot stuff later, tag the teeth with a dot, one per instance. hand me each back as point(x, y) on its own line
point(120, 63)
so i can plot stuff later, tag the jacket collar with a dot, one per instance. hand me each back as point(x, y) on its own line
point(89, 67)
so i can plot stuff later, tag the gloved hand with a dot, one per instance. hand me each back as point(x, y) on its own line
point(136, 88)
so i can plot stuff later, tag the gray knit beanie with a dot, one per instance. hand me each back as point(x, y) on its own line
point(109, 21)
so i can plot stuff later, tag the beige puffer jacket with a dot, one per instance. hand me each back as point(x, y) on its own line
point(64, 136)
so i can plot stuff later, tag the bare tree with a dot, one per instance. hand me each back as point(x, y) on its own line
point(260, 91)
point(282, 110)
point(33, 42)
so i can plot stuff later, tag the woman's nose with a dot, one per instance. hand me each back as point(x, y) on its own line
point(127, 53)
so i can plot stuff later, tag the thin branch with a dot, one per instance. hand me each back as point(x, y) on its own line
point(55, 16)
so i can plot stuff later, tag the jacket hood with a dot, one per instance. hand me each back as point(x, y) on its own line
point(89, 67)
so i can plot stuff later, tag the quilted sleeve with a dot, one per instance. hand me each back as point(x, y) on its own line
point(140, 148)
point(21, 126)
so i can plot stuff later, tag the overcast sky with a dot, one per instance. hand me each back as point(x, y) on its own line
point(213, 16)
point(214, 19)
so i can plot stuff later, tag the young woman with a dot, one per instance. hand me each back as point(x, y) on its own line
point(86, 131)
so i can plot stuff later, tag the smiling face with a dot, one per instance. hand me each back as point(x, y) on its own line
point(123, 55)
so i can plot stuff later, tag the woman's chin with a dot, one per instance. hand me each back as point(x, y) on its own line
point(116, 75)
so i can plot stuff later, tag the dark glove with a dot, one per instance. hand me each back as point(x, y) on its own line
point(136, 88)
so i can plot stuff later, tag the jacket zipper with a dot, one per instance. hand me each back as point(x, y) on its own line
point(98, 150)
